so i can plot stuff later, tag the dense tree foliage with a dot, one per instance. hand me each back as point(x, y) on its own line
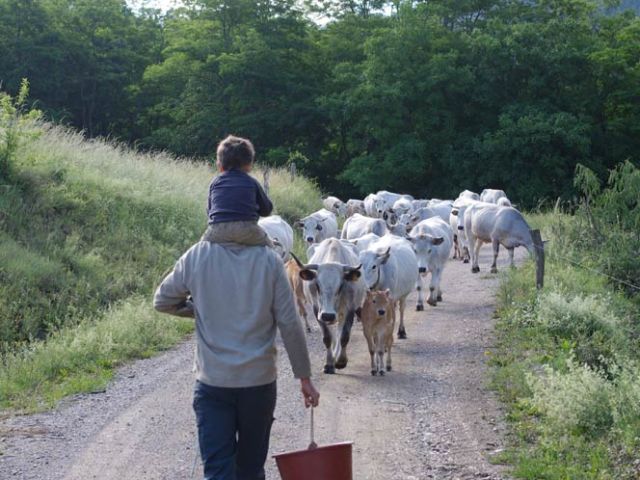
point(425, 97)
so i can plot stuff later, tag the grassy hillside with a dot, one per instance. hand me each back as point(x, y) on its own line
point(568, 357)
point(87, 229)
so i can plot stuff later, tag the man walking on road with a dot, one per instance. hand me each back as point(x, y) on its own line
point(239, 296)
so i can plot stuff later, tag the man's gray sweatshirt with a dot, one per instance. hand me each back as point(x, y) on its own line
point(240, 295)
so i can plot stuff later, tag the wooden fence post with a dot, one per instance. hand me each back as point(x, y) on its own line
point(538, 247)
point(293, 171)
point(265, 178)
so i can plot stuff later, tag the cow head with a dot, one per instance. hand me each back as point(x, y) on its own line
point(390, 217)
point(423, 245)
point(408, 221)
point(327, 283)
point(279, 248)
point(377, 304)
point(311, 227)
point(372, 262)
point(340, 208)
point(379, 206)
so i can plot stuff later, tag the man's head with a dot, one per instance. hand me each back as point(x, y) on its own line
point(235, 153)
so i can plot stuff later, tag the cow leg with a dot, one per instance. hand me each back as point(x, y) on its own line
point(402, 333)
point(402, 303)
point(496, 248)
point(465, 254)
point(420, 304)
point(438, 281)
point(456, 248)
point(342, 360)
point(367, 335)
point(302, 308)
point(433, 287)
point(511, 261)
point(388, 340)
point(472, 245)
point(327, 339)
point(380, 350)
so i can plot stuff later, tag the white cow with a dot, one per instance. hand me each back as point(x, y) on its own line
point(355, 206)
point(280, 233)
point(311, 250)
point(418, 204)
point(390, 263)
point(504, 202)
point(441, 209)
point(363, 242)
point(490, 195)
point(375, 206)
point(335, 289)
point(432, 239)
point(359, 225)
point(495, 225)
point(391, 197)
point(335, 205)
point(456, 221)
point(469, 194)
point(401, 206)
point(318, 226)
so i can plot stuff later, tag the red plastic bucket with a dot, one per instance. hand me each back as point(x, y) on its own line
point(331, 462)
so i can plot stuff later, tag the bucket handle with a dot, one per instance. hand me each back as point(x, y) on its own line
point(313, 444)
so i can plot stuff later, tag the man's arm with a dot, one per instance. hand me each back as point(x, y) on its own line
point(172, 296)
point(265, 207)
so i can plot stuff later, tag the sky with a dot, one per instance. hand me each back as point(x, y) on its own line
point(164, 5)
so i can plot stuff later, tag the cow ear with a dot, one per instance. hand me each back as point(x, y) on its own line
point(307, 274)
point(385, 256)
point(414, 218)
point(352, 274)
point(336, 205)
point(437, 240)
point(299, 223)
point(387, 293)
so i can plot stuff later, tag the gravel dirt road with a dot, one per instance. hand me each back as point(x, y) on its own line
point(432, 417)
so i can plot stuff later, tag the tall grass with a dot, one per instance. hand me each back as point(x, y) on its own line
point(568, 357)
point(87, 225)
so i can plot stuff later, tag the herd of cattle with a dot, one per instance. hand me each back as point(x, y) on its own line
point(387, 246)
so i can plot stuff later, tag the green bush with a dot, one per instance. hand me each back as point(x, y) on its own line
point(578, 401)
point(567, 357)
point(586, 322)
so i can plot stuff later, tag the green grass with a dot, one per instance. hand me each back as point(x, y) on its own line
point(566, 366)
point(82, 358)
point(87, 230)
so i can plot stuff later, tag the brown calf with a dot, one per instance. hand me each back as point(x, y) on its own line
point(378, 319)
point(293, 273)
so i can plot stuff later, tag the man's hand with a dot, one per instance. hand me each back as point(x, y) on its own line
point(309, 393)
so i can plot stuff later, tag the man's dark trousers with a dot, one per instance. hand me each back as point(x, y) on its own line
point(234, 425)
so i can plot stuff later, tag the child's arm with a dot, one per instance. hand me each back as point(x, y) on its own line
point(265, 207)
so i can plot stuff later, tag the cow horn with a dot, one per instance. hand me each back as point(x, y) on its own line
point(300, 264)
